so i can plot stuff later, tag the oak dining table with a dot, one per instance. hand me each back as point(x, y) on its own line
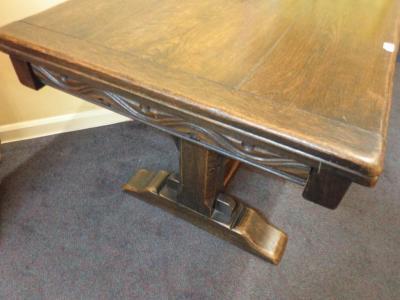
point(299, 89)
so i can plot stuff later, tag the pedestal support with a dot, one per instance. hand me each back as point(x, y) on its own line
point(197, 195)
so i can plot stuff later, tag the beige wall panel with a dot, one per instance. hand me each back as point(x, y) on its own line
point(18, 103)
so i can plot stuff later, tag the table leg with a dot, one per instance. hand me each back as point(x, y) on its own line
point(326, 188)
point(25, 74)
point(197, 195)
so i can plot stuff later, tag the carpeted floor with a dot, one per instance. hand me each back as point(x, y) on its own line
point(67, 231)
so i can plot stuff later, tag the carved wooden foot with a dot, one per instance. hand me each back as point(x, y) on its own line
point(197, 196)
point(230, 219)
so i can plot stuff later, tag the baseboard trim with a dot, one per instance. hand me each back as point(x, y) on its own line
point(59, 124)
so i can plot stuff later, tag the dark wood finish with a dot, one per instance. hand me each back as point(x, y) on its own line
point(212, 137)
point(231, 168)
point(202, 175)
point(285, 77)
point(326, 188)
point(301, 90)
point(25, 74)
point(196, 195)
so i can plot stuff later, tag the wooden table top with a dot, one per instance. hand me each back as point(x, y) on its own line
point(313, 75)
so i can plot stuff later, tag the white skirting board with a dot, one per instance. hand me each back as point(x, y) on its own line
point(59, 124)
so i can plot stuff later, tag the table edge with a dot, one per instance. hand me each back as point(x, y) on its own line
point(14, 40)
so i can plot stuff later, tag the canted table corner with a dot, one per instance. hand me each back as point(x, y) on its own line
point(299, 89)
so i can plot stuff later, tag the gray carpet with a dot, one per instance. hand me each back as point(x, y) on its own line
point(67, 231)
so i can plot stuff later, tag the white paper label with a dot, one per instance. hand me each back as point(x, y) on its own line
point(389, 47)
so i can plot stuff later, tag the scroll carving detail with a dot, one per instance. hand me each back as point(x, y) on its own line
point(133, 107)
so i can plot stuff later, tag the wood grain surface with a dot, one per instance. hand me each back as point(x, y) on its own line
point(314, 76)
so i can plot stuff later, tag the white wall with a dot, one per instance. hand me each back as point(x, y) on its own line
point(25, 113)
